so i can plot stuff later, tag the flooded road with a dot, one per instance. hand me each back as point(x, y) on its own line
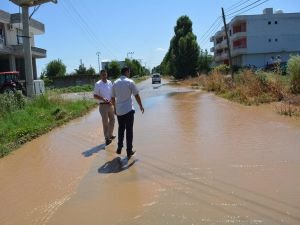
point(200, 160)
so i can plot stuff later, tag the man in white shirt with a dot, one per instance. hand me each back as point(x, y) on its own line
point(102, 92)
point(122, 92)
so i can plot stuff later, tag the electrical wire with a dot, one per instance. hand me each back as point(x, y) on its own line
point(87, 28)
point(239, 10)
point(237, 5)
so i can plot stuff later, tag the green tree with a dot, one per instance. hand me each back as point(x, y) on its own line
point(293, 70)
point(182, 58)
point(55, 68)
point(81, 70)
point(135, 66)
point(91, 71)
point(205, 61)
point(113, 69)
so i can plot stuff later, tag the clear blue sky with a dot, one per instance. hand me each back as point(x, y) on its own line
point(77, 29)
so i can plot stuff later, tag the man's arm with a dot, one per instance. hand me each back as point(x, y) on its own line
point(139, 101)
point(113, 102)
point(99, 98)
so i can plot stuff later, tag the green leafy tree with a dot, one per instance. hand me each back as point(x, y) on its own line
point(205, 62)
point(182, 58)
point(113, 69)
point(91, 71)
point(55, 68)
point(81, 70)
point(293, 70)
point(136, 69)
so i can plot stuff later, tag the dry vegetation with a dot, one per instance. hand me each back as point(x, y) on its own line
point(251, 88)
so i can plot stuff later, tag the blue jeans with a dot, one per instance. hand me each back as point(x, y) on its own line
point(126, 123)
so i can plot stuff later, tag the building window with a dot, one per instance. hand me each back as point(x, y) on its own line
point(276, 22)
point(270, 40)
point(276, 39)
point(269, 22)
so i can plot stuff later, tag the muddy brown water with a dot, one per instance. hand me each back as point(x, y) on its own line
point(200, 160)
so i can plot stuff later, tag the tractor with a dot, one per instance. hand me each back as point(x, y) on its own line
point(10, 83)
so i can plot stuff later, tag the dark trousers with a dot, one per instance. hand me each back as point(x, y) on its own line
point(126, 123)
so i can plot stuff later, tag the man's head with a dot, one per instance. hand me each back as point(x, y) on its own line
point(125, 71)
point(103, 74)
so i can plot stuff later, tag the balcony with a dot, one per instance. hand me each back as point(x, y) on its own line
point(36, 52)
point(221, 57)
point(238, 35)
point(239, 51)
point(34, 26)
point(221, 45)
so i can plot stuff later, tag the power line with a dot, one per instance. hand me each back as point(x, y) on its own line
point(212, 32)
point(211, 27)
point(88, 29)
point(236, 5)
point(239, 10)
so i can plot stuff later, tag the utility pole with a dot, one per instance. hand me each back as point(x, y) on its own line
point(130, 53)
point(26, 4)
point(98, 54)
point(228, 43)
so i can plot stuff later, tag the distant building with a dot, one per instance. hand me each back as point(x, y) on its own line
point(259, 40)
point(11, 43)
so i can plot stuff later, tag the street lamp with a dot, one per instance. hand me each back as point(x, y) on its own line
point(25, 4)
point(130, 53)
point(31, 2)
point(98, 54)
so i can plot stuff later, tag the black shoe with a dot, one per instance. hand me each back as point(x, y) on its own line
point(119, 150)
point(107, 141)
point(112, 137)
point(132, 153)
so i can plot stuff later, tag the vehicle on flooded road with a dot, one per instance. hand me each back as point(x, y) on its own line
point(156, 78)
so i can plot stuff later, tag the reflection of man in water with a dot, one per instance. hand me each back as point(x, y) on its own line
point(122, 92)
point(102, 92)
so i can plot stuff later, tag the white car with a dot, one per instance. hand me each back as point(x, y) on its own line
point(156, 78)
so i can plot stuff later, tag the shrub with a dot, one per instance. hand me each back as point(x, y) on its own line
point(223, 69)
point(293, 70)
point(11, 102)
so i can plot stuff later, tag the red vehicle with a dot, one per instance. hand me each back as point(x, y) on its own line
point(10, 83)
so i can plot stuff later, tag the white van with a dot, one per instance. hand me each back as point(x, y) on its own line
point(156, 78)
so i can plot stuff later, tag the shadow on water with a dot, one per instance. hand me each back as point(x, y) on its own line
point(93, 150)
point(116, 165)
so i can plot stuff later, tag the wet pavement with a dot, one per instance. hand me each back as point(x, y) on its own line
point(200, 160)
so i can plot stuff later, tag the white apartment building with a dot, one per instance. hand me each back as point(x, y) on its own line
point(259, 40)
point(11, 43)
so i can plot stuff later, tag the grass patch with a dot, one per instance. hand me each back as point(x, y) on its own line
point(73, 89)
point(23, 119)
point(85, 87)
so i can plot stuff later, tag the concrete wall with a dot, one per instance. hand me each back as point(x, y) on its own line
point(67, 81)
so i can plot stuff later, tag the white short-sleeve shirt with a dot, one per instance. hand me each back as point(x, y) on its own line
point(103, 89)
point(123, 89)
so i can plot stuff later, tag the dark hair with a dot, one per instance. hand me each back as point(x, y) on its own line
point(124, 70)
point(102, 71)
